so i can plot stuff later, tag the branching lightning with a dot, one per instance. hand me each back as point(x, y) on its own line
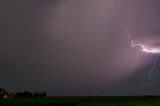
point(145, 49)
point(152, 69)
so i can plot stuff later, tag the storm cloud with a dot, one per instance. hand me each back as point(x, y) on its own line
point(75, 47)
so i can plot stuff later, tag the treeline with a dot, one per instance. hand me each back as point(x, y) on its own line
point(25, 94)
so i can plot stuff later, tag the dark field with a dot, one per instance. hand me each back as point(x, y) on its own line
point(84, 101)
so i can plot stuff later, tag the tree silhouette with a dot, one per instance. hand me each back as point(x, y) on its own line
point(25, 94)
point(43, 94)
point(3, 93)
point(36, 94)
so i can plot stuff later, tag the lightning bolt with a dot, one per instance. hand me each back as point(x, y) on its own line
point(145, 49)
point(152, 69)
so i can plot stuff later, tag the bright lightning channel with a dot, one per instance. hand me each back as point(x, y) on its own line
point(143, 47)
point(146, 49)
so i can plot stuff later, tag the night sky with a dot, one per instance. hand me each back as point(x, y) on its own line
point(79, 47)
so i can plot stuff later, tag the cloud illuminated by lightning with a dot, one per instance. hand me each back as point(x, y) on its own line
point(144, 48)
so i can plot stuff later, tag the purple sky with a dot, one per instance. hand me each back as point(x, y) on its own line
point(78, 47)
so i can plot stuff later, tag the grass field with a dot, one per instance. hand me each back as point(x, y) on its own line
point(84, 101)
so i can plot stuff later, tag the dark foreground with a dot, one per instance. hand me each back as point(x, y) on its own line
point(84, 101)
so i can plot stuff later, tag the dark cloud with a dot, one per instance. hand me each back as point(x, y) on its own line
point(74, 47)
